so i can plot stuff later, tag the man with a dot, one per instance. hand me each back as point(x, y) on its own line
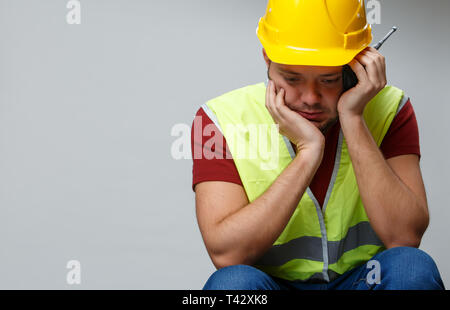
point(344, 205)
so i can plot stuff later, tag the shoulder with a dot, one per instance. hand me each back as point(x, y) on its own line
point(403, 135)
point(386, 104)
point(387, 99)
point(382, 109)
point(405, 116)
point(245, 90)
point(254, 92)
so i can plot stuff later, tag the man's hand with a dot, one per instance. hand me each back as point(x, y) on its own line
point(296, 128)
point(370, 69)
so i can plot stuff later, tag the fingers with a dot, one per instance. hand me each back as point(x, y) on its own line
point(370, 69)
point(273, 101)
point(270, 98)
point(375, 66)
point(279, 101)
point(267, 96)
point(375, 58)
point(381, 61)
point(359, 70)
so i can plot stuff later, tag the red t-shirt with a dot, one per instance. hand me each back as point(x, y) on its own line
point(401, 138)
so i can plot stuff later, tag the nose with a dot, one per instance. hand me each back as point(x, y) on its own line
point(310, 95)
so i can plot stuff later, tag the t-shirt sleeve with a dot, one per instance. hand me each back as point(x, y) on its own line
point(402, 136)
point(221, 166)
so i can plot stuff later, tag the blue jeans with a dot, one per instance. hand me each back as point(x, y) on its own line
point(400, 268)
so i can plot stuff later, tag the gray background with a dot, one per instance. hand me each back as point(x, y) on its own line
point(86, 113)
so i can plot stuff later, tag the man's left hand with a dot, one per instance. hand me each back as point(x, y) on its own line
point(370, 69)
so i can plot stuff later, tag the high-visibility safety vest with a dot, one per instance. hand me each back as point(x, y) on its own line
point(317, 244)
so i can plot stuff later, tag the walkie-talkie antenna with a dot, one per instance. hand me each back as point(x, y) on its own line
point(378, 45)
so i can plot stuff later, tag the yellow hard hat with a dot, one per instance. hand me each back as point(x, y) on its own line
point(314, 32)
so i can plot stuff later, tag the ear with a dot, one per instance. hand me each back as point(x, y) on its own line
point(266, 58)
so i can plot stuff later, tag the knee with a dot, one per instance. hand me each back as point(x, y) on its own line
point(409, 268)
point(407, 259)
point(238, 277)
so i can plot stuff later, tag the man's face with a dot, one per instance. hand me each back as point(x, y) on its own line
point(309, 89)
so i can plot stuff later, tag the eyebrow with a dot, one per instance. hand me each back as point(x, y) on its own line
point(299, 74)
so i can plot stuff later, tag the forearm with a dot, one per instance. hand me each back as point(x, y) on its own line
point(395, 213)
point(247, 234)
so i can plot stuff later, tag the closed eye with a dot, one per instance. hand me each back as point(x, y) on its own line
point(327, 81)
point(331, 81)
point(291, 80)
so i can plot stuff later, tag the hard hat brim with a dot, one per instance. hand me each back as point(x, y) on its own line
point(311, 57)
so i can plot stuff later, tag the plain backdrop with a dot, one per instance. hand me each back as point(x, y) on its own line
point(86, 113)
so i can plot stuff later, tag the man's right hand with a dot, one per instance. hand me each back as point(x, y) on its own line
point(296, 128)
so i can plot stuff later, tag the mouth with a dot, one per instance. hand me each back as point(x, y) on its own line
point(311, 116)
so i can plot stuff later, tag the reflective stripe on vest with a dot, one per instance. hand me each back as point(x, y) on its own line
point(403, 101)
point(211, 116)
point(311, 247)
